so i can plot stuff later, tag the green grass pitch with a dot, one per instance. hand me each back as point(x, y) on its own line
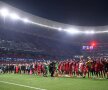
point(32, 82)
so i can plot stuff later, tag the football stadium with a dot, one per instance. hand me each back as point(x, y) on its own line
point(37, 53)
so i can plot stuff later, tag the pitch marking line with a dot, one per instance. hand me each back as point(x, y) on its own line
point(22, 85)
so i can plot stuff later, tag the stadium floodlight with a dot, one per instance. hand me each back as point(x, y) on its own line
point(89, 32)
point(86, 32)
point(60, 29)
point(103, 31)
point(4, 12)
point(25, 20)
point(92, 32)
point(14, 16)
point(72, 30)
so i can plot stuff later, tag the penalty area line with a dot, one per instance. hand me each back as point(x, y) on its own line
point(22, 85)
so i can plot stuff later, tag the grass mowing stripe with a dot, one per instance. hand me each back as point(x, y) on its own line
point(22, 85)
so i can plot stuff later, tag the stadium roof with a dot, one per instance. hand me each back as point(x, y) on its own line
point(50, 27)
point(39, 21)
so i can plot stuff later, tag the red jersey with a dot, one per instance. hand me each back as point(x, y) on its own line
point(76, 67)
point(96, 67)
point(39, 67)
point(60, 67)
point(70, 66)
point(17, 69)
point(67, 67)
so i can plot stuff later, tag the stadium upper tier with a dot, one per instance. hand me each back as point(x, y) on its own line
point(12, 40)
point(52, 25)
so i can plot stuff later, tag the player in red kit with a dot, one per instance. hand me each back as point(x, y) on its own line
point(39, 69)
point(85, 70)
point(76, 69)
point(60, 68)
point(67, 68)
point(73, 68)
point(97, 68)
point(70, 68)
point(17, 69)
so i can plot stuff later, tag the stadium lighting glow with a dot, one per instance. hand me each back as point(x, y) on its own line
point(90, 32)
point(104, 31)
point(4, 12)
point(99, 32)
point(43, 25)
point(72, 31)
point(86, 32)
point(60, 29)
point(25, 20)
point(14, 16)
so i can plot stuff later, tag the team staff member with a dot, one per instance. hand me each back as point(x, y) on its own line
point(106, 68)
point(52, 69)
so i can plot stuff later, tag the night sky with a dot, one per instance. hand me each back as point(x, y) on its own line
point(75, 12)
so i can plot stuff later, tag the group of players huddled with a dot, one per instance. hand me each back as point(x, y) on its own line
point(97, 68)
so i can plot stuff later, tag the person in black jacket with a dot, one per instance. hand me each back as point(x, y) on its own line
point(52, 68)
point(106, 68)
